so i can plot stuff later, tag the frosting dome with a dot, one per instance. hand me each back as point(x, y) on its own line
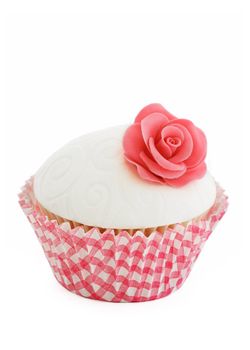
point(90, 182)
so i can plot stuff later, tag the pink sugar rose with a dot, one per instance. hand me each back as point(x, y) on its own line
point(165, 149)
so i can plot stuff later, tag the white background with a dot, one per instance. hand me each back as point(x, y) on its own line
point(69, 69)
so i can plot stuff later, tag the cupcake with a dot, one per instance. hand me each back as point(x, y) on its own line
point(123, 213)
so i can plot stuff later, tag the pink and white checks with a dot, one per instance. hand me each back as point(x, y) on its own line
point(121, 268)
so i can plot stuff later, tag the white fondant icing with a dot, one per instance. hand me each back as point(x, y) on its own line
point(89, 181)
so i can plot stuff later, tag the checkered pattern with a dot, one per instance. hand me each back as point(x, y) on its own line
point(121, 268)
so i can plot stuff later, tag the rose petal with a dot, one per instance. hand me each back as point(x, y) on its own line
point(152, 125)
point(144, 173)
point(190, 175)
point(158, 170)
point(133, 143)
point(147, 175)
point(199, 150)
point(153, 108)
point(199, 143)
point(172, 131)
point(163, 162)
point(164, 149)
point(185, 150)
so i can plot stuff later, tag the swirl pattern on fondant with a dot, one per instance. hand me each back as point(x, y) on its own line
point(60, 172)
point(105, 153)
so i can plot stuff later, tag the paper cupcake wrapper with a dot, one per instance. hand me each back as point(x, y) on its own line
point(123, 267)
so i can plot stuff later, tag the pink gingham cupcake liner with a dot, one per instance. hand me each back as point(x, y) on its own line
point(121, 267)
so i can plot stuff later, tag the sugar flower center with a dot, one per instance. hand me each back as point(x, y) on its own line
point(173, 141)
